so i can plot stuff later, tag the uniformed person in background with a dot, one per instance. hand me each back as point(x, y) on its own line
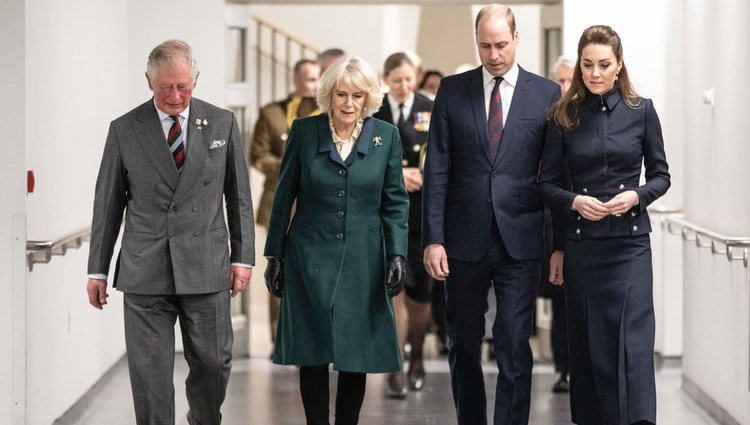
point(410, 112)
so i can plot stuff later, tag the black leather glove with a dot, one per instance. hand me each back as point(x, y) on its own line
point(273, 276)
point(395, 275)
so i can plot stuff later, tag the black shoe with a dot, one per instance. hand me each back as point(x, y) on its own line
point(416, 374)
point(562, 385)
point(396, 385)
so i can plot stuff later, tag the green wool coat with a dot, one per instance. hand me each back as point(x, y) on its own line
point(346, 217)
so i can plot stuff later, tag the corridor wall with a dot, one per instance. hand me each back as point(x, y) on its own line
point(717, 312)
point(12, 214)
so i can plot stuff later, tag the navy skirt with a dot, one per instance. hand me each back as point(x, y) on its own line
point(611, 325)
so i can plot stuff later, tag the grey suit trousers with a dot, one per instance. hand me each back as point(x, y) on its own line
point(206, 325)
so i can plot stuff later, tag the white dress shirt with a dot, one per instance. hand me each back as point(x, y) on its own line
point(396, 111)
point(507, 87)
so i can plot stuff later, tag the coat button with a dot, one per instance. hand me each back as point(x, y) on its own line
point(342, 172)
point(171, 211)
point(635, 228)
point(585, 190)
point(206, 182)
point(621, 187)
point(632, 213)
point(342, 193)
point(196, 233)
point(604, 109)
point(340, 214)
point(195, 209)
point(340, 236)
point(489, 200)
point(404, 162)
point(579, 218)
point(494, 175)
point(578, 231)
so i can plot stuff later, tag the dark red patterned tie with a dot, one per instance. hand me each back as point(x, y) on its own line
point(495, 118)
point(175, 141)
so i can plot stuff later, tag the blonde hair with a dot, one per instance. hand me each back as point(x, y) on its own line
point(356, 72)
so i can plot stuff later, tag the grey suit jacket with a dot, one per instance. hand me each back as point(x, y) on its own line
point(175, 239)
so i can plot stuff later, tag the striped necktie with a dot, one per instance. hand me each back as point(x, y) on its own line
point(495, 118)
point(175, 140)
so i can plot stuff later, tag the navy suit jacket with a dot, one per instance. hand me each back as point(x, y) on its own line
point(465, 191)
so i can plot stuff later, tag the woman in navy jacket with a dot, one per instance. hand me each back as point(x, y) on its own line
point(603, 132)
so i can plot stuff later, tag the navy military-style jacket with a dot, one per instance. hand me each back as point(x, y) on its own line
point(605, 156)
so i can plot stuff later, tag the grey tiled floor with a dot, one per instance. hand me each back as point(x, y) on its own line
point(262, 393)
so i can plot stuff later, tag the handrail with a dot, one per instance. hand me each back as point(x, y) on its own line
point(735, 248)
point(285, 34)
point(277, 60)
point(665, 209)
point(42, 251)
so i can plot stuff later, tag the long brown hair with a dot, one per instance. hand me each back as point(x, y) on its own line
point(564, 112)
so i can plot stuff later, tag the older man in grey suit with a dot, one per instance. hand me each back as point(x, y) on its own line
point(170, 166)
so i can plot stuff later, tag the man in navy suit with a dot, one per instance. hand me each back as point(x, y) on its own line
point(483, 215)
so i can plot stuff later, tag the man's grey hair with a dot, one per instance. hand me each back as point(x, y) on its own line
point(563, 61)
point(171, 51)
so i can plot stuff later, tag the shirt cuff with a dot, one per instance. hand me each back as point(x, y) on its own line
point(247, 266)
point(98, 276)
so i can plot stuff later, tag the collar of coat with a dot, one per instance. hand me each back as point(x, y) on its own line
point(608, 99)
point(325, 140)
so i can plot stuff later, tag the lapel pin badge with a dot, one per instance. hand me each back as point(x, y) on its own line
point(200, 123)
point(377, 141)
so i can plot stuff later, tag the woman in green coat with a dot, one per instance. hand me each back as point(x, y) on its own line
point(337, 241)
